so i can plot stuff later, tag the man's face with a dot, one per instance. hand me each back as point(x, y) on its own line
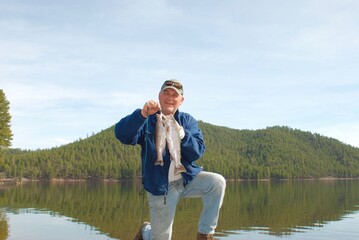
point(170, 101)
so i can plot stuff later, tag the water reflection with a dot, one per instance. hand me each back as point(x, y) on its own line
point(116, 209)
point(346, 229)
point(284, 207)
point(4, 228)
point(43, 225)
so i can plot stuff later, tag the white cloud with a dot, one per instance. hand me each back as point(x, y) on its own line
point(54, 111)
point(145, 13)
point(346, 132)
point(76, 68)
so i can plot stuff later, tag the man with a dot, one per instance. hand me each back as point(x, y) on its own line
point(163, 187)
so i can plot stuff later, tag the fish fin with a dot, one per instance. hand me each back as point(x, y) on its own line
point(159, 162)
point(180, 168)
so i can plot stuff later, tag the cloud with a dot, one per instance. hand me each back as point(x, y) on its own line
point(58, 111)
point(71, 69)
point(347, 132)
point(145, 13)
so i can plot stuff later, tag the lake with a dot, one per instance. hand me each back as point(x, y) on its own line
point(263, 210)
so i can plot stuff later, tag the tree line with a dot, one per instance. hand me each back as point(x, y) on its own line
point(278, 152)
point(275, 152)
point(5, 127)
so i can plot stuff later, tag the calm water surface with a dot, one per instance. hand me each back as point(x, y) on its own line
point(305, 210)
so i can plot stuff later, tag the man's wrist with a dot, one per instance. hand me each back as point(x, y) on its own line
point(143, 113)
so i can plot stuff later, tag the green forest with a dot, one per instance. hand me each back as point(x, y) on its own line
point(273, 153)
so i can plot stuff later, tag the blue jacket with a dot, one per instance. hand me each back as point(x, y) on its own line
point(132, 129)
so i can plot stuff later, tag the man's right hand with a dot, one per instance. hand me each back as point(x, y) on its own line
point(150, 107)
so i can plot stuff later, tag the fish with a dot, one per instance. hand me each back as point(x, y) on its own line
point(173, 140)
point(160, 136)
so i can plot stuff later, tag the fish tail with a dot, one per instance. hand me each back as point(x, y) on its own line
point(159, 162)
point(179, 168)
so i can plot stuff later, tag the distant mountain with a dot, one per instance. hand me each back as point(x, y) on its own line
point(274, 152)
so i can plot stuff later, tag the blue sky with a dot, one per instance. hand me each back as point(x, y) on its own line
point(73, 68)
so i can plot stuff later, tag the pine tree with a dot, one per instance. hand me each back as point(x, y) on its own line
point(5, 117)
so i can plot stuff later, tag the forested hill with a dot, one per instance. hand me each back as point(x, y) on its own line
point(275, 152)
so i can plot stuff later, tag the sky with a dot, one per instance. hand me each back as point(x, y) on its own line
point(71, 69)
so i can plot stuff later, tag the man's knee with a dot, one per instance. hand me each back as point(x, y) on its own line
point(220, 181)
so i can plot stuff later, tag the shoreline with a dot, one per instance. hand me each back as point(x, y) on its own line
point(19, 181)
point(292, 179)
point(10, 182)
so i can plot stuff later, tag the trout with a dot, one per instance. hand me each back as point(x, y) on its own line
point(160, 138)
point(173, 140)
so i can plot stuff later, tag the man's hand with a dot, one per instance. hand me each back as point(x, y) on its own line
point(180, 130)
point(150, 107)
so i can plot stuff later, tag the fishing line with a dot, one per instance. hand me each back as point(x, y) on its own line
point(144, 167)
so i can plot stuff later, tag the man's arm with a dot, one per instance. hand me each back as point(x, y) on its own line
point(128, 129)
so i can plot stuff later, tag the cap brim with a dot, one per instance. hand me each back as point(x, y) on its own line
point(174, 88)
